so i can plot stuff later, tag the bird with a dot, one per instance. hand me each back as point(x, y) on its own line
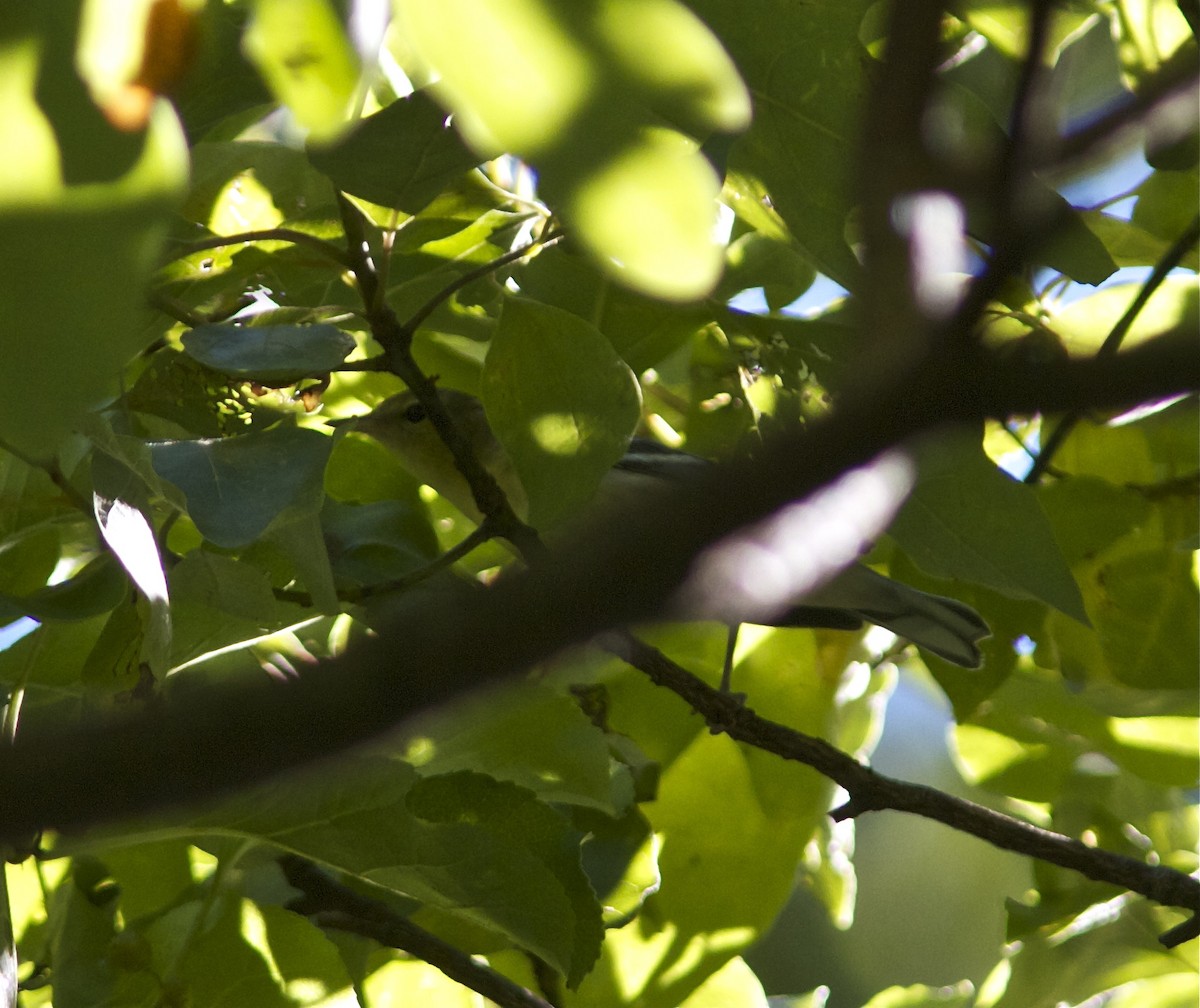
point(942, 626)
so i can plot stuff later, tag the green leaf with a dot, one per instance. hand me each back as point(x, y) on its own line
point(620, 857)
point(511, 71)
point(114, 664)
point(247, 172)
point(1006, 25)
point(531, 737)
point(240, 952)
point(98, 587)
point(643, 330)
point(218, 601)
point(733, 820)
point(960, 995)
point(562, 403)
point(28, 558)
point(1161, 749)
point(99, 241)
point(1071, 247)
point(675, 64)
point(83, 927)
point(401, 157)
point(1124, 543)
point(754, 260)
point(1110, 950)
point(1087, 77)
point(648, 211)
point(1127, 243)
point(363, 471)
point(303, 54)
point(1028, 741)
point(378, 542)
point(28, 496)
point(222, 85)
point(965, 519)
point(1083, 325)
point(237, 487)
point(806, 70)
point(520, 830)
point(90, 149)
point(47, 663)
point(734, 985)
point(271, 354)
point(152, 875)
point(640, 196)
point(486, 851)
point(299, 539)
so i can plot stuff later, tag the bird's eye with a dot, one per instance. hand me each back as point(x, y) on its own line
point(415, 413)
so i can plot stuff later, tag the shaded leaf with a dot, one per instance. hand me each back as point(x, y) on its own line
point(272, 354)
point(96, 588)
point(968, 520)
point(237, 487)
point(483, 850)
point(532, 737)
point(402, 156)
point(806, 70)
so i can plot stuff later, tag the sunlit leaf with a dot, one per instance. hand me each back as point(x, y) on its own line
point(302, 52)
point(1083, 325)
point(562, 403)
point(114, 228)
point(130, 536)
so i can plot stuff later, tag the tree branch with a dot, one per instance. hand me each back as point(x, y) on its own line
point(396, 340)
point(228, 738)
point(1112, 343)
point(1164, 106)
point(870, 791)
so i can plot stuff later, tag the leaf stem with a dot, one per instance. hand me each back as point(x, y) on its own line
point(430, 306)
point(326, 248)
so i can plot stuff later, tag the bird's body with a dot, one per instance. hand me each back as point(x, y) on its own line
point(944, 626)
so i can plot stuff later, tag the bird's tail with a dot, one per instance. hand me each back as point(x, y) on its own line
point(948, 628)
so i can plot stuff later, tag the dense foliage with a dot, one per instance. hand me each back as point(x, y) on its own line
point(223, 224)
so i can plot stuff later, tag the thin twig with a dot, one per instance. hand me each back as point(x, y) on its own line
point(333, 905)
point(430, 306)
point(52, 469)
point(478, 536)
point(1018, 229)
